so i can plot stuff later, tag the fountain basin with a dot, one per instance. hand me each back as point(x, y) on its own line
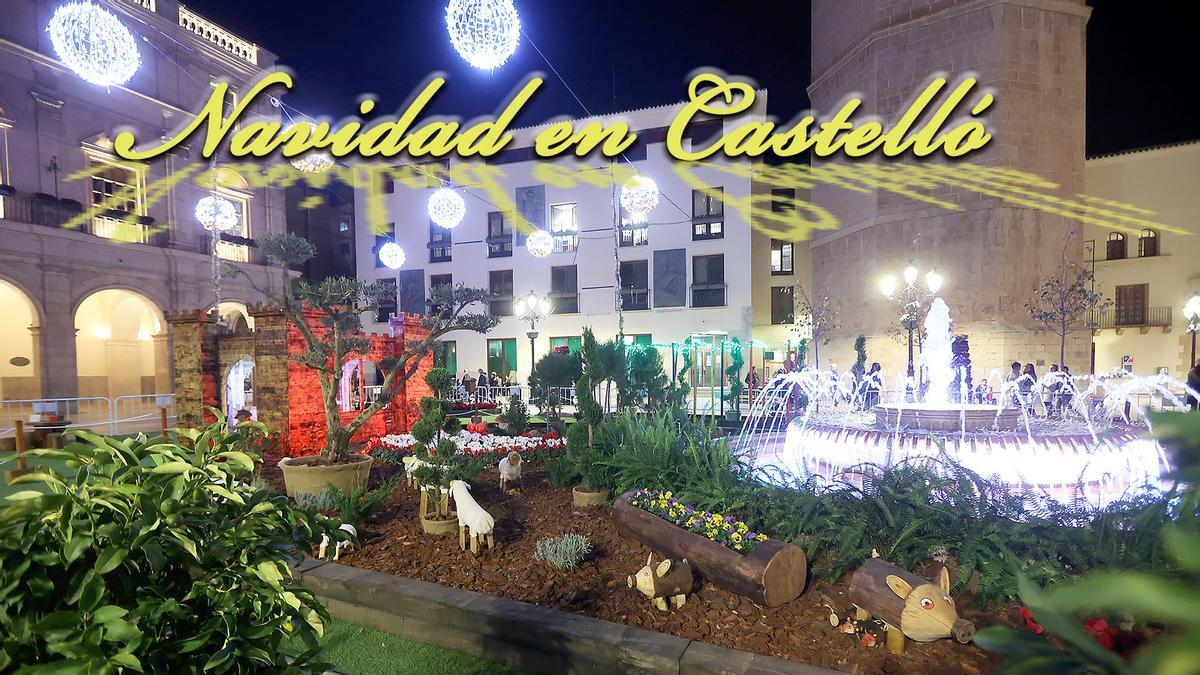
point(947, 418)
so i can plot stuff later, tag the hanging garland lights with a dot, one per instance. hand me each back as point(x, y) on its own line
point(446, 208)
point(484, 32)
point(639, 196)
point(313, 161)
point(216, 213)
point(94, 43)
point(391, 255)
point(540, 244)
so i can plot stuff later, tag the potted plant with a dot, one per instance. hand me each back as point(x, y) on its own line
point(734, 373)
point(328, 314)
point(583, 452)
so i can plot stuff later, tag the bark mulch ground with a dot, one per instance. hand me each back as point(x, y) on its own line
point(800, 630)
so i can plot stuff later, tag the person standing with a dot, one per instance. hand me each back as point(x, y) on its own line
point(1025, 384)
point(1012, 381)
point(873, 379)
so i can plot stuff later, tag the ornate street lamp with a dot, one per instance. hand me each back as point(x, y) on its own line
point(1191, 310)
point(532, 308)
point(911, 296)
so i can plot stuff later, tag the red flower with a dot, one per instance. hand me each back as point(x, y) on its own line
point(1104, 634)
point(1030, 623)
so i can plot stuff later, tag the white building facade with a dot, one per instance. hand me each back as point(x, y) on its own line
point(686, 273)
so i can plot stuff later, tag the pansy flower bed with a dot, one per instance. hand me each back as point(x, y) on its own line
point(725, 530)
point(392, 447)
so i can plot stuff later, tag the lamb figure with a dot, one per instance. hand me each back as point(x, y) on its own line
point(411, 464)
point(341, 545)
point(510, 471)
point(471, 516)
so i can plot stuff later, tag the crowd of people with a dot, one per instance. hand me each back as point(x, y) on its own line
point(483, 383)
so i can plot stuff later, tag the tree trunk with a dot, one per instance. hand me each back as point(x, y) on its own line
point(772, 574)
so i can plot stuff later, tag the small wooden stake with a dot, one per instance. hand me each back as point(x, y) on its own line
point(22, 468)
point(462, 537)
point(895, 640)
point(163, 416)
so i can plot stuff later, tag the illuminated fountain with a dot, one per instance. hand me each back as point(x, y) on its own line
point(1087, 447)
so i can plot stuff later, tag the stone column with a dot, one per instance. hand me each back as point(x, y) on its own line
point(196, 376)
point(35, 366)
point(163, 367)
point(56, 339)
point(271, 365)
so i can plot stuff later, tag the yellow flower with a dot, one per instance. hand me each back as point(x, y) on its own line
point(762, 537)
point(735, 536)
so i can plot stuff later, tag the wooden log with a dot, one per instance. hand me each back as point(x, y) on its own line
point(771, 574)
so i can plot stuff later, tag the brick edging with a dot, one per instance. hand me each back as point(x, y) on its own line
point(517, 633)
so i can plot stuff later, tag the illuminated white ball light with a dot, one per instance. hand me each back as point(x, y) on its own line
point(539, 244)
point(639, 196)
point(446, 208)
point(216, 213)
point(94, 43)
point(484, 32)
point(391, 255)
point(313, 161)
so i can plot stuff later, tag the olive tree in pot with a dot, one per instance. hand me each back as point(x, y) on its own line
point(336, 336)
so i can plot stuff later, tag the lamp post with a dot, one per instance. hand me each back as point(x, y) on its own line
point(911, 297)
point(1191, 310)
point(532, 308)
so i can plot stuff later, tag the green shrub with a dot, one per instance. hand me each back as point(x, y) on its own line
point(356, 508)
point(561, 472)
point(565, 552)
point(153, 557)
point(516, 416)
point(321, 501)
point(440, 381)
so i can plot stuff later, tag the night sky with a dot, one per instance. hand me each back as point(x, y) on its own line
point(624, 54)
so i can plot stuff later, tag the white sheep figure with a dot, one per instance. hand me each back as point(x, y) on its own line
point(510, 470)
point(411, 464)
point(340, 546)
point(471, 515)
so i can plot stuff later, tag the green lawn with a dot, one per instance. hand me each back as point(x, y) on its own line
point(8, 461)
point(354, 650)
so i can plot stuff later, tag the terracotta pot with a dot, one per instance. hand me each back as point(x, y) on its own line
point(586, 498)
point(439, 527)
point(303, 474)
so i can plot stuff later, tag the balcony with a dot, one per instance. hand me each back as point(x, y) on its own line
point(223, 39)
point(708, 295)
point(49, 211)
point(1120, 318)
point(635, 298)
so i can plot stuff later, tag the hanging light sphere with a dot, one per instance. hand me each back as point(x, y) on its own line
point(639, 196)
point(484, 32)
point(391, 255)
point(446, 208)
point(94, 43)
point(313, 161)
point(540, 244)
point(216, 213)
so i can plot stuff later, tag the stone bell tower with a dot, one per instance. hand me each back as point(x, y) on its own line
point(1031, 55)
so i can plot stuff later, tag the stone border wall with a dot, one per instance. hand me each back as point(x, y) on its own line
point(516, 633)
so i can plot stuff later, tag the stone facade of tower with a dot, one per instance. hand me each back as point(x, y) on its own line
point(1031, 55)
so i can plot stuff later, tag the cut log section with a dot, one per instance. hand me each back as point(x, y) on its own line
point(771, 574)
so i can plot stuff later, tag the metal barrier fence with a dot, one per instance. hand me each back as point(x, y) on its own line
point(120, 415)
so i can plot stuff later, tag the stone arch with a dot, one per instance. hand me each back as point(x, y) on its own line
point(237, 387)
point(359, 383)
point(120, 344)
point(235, 316)
point(20, 363)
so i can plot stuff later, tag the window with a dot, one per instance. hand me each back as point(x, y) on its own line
point(502, 356)
point(450, 357)
point(781, 257)
point(116, 188)
point(783, 306)
point(708, 213)
point(571, 344)
point(783, 200)
point(639, 339)
point(380, 240)
point(633, 234)
point(500, 284)
point(440, 242)
point(387, 301)
point(343, 226)
point(233, 244)
point(1115, 246)
point(1132, 304)
point(708, 281)
point(500, 236)
point(438, 282)
point(389, 183)
point(1147, 244)
point(564, 289)
point(635, 288)
point(563, 227)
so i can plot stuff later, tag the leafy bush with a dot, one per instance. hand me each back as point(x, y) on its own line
point(561, 472)
point(153, 556)
point(321, 501)
point(440, 381)
point(566, 552)
point(516, 417)
point(356, 508)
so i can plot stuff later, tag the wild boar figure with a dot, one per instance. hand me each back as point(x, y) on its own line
point(910, 605)
point(668, 580)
